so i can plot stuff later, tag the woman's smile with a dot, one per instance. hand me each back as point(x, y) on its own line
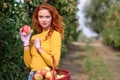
point(44, 24)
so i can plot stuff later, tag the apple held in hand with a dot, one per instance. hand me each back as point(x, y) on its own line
point(26, 29)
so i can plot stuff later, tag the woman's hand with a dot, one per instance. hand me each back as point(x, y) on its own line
point(25, 38)
point(37, 43)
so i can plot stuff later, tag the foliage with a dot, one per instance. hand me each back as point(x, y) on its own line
point(111, 29)
point(96, 13)
point(104, 15)
point(13, 16)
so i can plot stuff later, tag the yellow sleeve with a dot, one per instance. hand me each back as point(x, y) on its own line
point(55, 49)
point(27, 58)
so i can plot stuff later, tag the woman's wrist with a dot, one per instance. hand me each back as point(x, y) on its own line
point(26, 43)
point(40, 49)
point(26, 47)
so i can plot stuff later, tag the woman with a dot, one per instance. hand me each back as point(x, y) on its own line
point(37, 51)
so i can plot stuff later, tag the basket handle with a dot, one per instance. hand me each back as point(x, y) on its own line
point(53, 68)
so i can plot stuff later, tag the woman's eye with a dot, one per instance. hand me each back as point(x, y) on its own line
point(40, 16)
point(47, 16)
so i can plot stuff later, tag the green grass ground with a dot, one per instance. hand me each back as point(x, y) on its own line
point(95, 67)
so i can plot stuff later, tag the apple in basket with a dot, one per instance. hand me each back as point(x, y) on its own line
point(45, 70)
point(58, 76)
point(48, 68)
point(38, 76)
point(26, 29)
point(48, 76)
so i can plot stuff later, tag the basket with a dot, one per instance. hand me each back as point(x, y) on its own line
point(64, 72)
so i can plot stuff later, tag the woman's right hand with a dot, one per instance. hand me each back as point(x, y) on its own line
point(25, 38)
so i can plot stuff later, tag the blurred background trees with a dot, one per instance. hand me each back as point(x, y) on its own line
point(104, 18)
point(14, 14)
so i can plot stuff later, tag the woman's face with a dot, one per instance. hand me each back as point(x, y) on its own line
point(44, 18)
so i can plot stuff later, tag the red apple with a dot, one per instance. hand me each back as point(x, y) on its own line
point(38, 76)
point(26, 29)
point(44, 71)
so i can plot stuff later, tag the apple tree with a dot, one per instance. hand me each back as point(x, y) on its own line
point(111, 28)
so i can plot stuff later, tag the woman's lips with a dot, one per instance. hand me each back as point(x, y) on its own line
point(44, 23)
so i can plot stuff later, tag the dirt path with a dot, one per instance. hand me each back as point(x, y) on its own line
point(75, 59)
point(111, 58)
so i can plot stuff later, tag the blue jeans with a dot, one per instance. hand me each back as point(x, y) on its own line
point(30, 77)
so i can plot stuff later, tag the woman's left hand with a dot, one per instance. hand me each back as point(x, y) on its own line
point(37, 43)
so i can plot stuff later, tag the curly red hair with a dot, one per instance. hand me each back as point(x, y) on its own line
point(57, 22)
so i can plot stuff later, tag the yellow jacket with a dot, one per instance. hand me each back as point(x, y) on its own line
point(51, 46)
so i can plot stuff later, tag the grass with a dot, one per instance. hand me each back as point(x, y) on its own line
point(95, 67)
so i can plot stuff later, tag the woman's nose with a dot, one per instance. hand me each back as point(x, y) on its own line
point(44, 19)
